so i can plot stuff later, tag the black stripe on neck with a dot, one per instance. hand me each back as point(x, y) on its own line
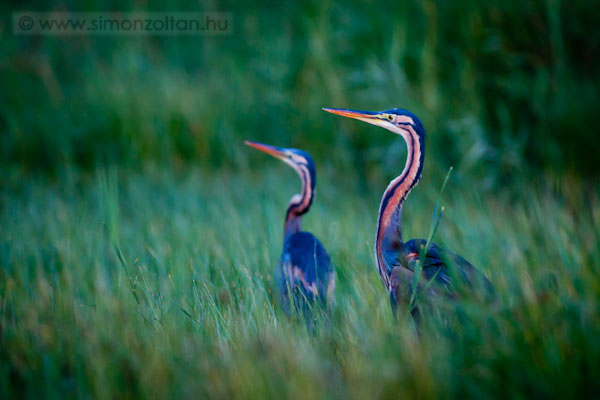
point(306, 182)
point(389, 194)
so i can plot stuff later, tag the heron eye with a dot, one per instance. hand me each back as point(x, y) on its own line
point(390, 117)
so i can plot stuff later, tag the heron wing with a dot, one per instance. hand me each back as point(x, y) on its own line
point(444, 266)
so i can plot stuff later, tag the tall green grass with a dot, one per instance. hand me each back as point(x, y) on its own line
point(160, 283)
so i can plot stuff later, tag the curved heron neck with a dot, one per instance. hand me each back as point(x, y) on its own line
point(389, 221)
point(299, 204)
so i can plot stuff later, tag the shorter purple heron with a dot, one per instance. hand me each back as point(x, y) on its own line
point(305, 274)
point(443, 271)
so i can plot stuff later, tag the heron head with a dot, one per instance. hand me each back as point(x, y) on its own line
point(396, 120)
point(300, 160)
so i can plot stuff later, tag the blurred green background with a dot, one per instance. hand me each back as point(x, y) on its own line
point(500, 86)
point(138, 235)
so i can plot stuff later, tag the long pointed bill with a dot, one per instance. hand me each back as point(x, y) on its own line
point(370, 117)
point(272, 150)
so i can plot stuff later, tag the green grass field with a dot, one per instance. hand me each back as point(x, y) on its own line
point(138, 235)
point(190, 311)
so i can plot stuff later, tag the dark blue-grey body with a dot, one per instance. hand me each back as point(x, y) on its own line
point(305, 273)
point(448, 272)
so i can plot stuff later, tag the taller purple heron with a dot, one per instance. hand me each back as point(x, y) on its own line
point(305, 274)
point(395, 259)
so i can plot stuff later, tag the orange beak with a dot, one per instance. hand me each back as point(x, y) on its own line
point(351, 113)
point(265, 148)
point(371, 117)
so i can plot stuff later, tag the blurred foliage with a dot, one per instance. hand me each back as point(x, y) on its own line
point(500, 86)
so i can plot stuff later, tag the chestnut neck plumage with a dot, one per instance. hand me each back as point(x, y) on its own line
point(389, 224)
point(300, 203)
